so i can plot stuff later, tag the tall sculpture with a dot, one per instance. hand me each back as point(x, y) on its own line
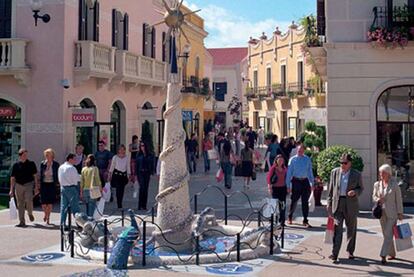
point(174, 216)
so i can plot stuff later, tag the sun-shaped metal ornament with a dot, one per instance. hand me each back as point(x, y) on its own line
point(174, 18)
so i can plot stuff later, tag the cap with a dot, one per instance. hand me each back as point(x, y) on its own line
point(345, 158)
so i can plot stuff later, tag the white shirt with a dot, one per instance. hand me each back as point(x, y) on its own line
point(68, 175)
point(120, 164)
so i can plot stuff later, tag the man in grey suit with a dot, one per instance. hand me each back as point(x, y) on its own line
point(344, 188)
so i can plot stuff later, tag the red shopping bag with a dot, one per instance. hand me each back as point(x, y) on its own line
point(329, 233)
point(220, 175)
point(395, 232)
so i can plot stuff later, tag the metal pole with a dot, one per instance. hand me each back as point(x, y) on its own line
point(69, 218)
point(271, 234)
point(105, 241)
point(225, 209)
point(72, 243)
point(144, 242)
point(283, 236)
point(238, 247)
point(62, 241)
point(195, 204)
point(197, 250)
point(123, 217)
point(152, 215)
point(259, 219)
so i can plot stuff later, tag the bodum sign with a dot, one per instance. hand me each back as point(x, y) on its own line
point(83, 117)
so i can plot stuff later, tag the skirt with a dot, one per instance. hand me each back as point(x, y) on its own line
point(47, 193)
point(247, 168)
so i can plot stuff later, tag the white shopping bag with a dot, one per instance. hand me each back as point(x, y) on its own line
point(311, 203)
point(269, 207)
point(136, 188)
point(106, 192)
point(98, 213)
point(13, 209)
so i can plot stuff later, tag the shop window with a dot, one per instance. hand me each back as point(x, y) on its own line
point(88, 21)
point(5, 18)
point(220, 91)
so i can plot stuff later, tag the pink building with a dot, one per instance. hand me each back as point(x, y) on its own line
point(93, 72)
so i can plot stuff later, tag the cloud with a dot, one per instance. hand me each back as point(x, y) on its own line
point(227, 29)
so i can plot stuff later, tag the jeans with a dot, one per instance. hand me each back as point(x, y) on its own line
point(90, 203)
point(69, 198)
point(206, 161)
point(192, 162)
point(228, 170)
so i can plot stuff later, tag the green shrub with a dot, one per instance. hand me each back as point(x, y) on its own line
point(309, 141)
point(310, 126)
point(318, 143)
point(329, 159)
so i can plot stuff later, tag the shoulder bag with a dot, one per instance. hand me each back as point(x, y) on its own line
point(94, 191)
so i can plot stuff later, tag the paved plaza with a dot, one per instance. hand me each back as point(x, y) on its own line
point(304, 254)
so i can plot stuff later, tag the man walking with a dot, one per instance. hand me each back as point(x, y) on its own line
point(299, 181)
point(192, 151)
point(103, 161)
point(69, 181)
point(22, 179)
point(344, 188)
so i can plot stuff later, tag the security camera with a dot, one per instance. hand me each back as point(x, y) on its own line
point(65, 83)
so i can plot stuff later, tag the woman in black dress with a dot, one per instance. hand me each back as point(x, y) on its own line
point(145, 168)
point(48, 182)
point(246, 155)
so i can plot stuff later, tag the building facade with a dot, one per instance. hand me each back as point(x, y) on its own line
point(95, 71)
point(371, 86)
point(228, 85)
point(284, 91)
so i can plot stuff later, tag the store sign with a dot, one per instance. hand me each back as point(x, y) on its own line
point(7, 112)
point(187, 115)
point(83, 117)
point(270, 114)
point(318, 115)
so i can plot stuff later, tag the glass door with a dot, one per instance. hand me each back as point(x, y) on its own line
point(107, 131)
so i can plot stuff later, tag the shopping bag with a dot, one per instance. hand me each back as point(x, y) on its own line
point(403, 244)
point(106, 192)
point(404, 230)
point(136, 188)
point(311, 203)
point(212, 154)
point(269, 207)
point(254, 176)
point(329, 232)
point(12, 209)
point(220, 175)
point(98, 213)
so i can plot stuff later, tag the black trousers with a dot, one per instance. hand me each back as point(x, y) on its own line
point(280, 193)
point(118, 181)
point(143, 180)
point(300, 189)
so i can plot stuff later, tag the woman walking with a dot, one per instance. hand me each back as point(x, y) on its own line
point(277, 185)
point(145, 168)
point(134, 149)
point(48, 182)
point(207, 145)
point(89, 180)
point(246, 156)
point(120, 173)
point(388, 194)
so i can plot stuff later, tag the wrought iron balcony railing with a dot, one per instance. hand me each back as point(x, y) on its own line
point(391, 17)
point(310, 88)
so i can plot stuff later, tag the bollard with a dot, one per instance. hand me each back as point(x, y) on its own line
point(195, 204)
point(72, 243)
point(259, 219)
point(62, 238)
point(197, 250)
point(271, 234)
point(238, 247)
point(86, 207)
point(283, 236)
point(225, 209)
point(123, 217)
point(144, 242)
point(105, 241)
point(69, 218)
point(152, 215)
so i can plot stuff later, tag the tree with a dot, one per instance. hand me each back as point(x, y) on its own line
point(146, 136)
point(235, 107)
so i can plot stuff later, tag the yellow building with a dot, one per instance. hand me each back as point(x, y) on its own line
point(284, 91)
point(191, 65)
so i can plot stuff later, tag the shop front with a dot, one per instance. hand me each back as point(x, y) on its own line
point(395, 136)
point(10, 139)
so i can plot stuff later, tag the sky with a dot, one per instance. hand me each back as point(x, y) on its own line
point(230, 23)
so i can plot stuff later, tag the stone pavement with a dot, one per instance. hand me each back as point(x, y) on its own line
point(305, 254)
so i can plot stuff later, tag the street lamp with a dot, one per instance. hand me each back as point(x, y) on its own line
point(37, 5)
point(185, 56)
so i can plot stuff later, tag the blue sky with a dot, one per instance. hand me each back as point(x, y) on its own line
point(232, 22)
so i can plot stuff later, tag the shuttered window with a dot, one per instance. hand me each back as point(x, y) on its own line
point(88, 21)
point(148, 41)
point(5, 18)
point(120, 32)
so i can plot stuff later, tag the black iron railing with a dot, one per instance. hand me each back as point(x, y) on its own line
point(194, 85)
point(393, 17)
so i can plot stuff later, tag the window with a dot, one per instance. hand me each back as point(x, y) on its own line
point(220, 90)
point(88, 21)
point(269, 77)
point(283, 76)
point(284, 123)
point(166, 48)
point(320, 11)
point(120, 30)
point(5, 18)
point(197, 67)
point(300, 76)
point(149, 38)
point(255, 79)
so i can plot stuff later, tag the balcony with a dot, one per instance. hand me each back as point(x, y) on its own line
point(94, 60)
point(137, 70)
point(195, 86)
point(13, 59)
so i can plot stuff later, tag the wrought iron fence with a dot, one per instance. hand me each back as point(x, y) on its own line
point(397, 16)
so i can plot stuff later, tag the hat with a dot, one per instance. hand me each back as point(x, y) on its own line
point(22, 151)
point(345, 158)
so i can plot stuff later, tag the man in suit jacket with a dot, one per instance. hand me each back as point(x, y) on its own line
point(344, 188)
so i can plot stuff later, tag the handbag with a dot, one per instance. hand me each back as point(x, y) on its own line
point(220, 175)
point(254, 175)
point(404, 230)
point(94, 191)
point(311, 203)
point(274, 178)
point(377, 210)
point(13, 209)
point(212, 154)
point(401, 244)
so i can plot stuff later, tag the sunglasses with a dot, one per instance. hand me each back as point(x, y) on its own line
point(344, 163)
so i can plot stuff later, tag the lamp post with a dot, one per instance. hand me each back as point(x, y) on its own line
point(185, 56)
point(37, 5)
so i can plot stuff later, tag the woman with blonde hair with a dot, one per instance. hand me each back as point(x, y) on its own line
point(48, 182)
point(387, 193)
point(89, 179)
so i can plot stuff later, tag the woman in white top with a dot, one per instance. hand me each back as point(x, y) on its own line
point(120, 173)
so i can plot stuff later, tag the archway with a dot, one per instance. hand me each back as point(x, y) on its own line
point(395, 135)
point(148, 127)
point(10, 139)
point(117, 130)
point(86, 135)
